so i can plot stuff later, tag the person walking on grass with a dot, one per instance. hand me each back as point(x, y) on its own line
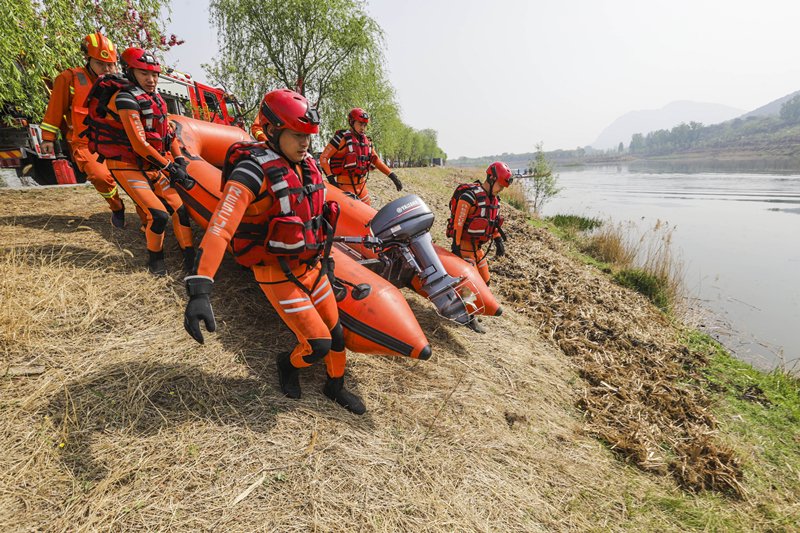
point(475, 220)
point(67, 108)
point(128, 128)
point(350, 155)
point(275, 219)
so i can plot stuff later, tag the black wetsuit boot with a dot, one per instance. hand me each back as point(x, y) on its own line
point(118, 218)
point(288, 376)
point(156, 263)
point(334, 389)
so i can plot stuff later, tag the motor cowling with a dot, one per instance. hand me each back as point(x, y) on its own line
point(401, 220)
point(403, 226)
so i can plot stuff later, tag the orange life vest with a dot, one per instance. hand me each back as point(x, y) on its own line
point(79, 90)
point(355, 158)
point(105, 131)
point(299, 222)
point(485, 218)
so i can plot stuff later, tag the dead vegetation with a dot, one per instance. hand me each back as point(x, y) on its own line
point(134, 426)
point(641, 395)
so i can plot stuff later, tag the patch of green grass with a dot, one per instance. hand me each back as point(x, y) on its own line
point(759, 416)
point(575, 222)
point(651, 286)
point(695, 513)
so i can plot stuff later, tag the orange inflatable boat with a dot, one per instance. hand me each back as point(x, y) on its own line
point(400, 253)
point(375, 315)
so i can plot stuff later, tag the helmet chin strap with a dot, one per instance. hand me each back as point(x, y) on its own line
point(274, 142)
point(491, 183)
point(90, 69)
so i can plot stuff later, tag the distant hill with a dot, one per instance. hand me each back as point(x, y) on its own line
point(758, 135)
point(670, 115)
point(772, 109)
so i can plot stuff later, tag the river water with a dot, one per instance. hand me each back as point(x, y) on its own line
point(738, 237)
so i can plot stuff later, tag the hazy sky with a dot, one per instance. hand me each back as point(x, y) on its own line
point(498, 76)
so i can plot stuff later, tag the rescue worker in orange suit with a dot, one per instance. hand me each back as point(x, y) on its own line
point(257, 130)
point(349, 156)
point(475, 220)
point(67, 104)
point(128, 127)
point(275, 217)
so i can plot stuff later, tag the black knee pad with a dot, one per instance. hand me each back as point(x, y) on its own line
point(337, 337)
point(160, 220)
point(319, 349)
point(183, 215)
point(167, 207)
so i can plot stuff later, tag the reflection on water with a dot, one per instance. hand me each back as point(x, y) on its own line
point(757, 166)
point(737, 233)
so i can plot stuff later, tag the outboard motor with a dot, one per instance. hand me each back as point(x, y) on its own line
point(403, 227)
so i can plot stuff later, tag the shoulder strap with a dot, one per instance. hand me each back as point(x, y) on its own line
point(239, 150)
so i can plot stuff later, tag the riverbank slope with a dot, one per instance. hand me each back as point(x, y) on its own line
point(582, 408)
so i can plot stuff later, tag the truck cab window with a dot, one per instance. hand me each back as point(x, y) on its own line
point(213, 105)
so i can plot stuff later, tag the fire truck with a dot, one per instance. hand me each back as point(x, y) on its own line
point(190, 98)
point(20, 140)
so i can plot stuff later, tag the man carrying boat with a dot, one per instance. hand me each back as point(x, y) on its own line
point(128, 127)
point(274, 216)
point(67, 106)
point(349, 156)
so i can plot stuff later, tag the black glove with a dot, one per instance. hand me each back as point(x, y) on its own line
point(178, 175)
point(456, 249)
point(502, 234)
point(332, 180)
point(500, 248)
point(396, 181)
point(181, 161)
point(199, 306)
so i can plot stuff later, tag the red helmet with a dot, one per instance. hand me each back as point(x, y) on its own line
point(139, 58)
point(498, 172)
point(98, 46)
point(358, 115)
point(285, 109)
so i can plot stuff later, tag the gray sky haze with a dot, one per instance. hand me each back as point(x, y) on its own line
point(500, 76)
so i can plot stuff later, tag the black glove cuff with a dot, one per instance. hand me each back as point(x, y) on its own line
point(392, 176)
point(198, 285)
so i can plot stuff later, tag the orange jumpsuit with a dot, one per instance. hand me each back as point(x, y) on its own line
point(471, 247)
point(311, 314)
point(145, 183)
point(257, 131)
point(67, 105)
point(348, 181)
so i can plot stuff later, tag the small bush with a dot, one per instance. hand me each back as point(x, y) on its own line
point(645, 262)
point(515, 196)
point(655, 288)
point(611, 244)
point(575, 222)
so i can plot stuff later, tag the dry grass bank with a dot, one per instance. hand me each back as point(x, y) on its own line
point(131, 425)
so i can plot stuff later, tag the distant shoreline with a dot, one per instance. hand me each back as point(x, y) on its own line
point(693, 161)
